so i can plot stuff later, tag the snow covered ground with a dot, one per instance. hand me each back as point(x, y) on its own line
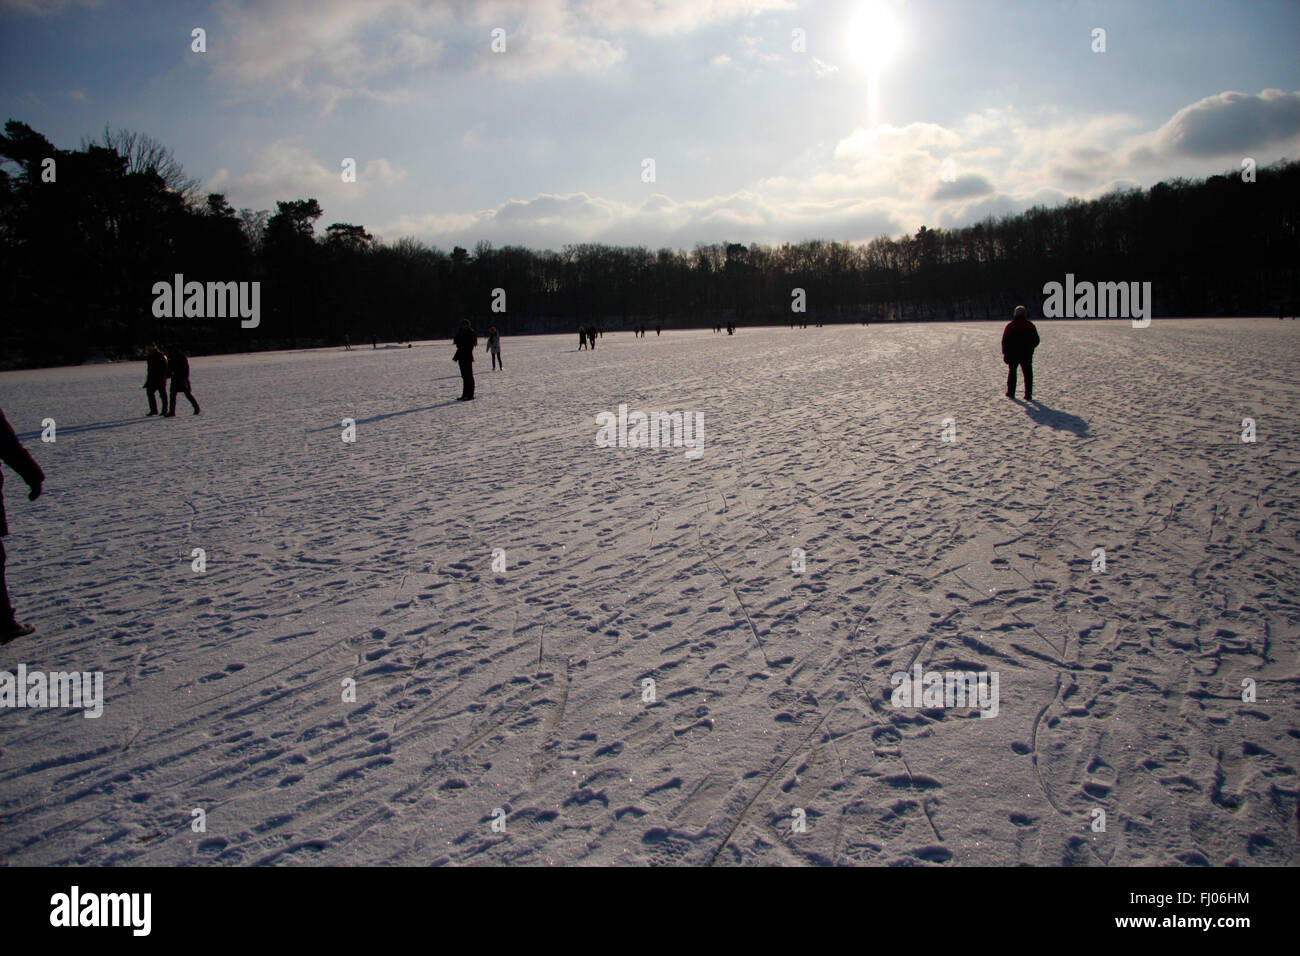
point(1119, 690)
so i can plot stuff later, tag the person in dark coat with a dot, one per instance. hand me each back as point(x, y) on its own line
point(155, 378)
point(465, 341)
point(178, 366)
point(591, 338)
point(13, 454)
point(582, 337)
point(1019, 339)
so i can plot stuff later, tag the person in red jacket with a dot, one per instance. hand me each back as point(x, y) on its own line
point(13, 454)
point(1019, 339)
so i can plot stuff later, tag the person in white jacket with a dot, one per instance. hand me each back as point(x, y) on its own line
point(494, 347)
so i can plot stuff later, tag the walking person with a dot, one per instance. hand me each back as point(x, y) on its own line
point(155, 378)
point(582, 337)
point(465, 341)
point(178, 367)
point(591, 337)
point(1019, 339)
point(16, 457)
point(494, 347)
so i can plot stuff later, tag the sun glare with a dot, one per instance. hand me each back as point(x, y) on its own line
point(873, 36)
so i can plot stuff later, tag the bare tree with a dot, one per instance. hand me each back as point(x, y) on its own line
point(254, 226)
point(143, 153)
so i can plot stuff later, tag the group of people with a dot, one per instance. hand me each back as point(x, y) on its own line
point(466, 340)
point(587, 336)
point(159, 367)
point(1019, 340)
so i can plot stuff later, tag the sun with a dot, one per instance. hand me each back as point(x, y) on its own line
point(873, 36)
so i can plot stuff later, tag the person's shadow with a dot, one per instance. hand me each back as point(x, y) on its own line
point(1061, 421)
point(380, 418)
point(92, 427)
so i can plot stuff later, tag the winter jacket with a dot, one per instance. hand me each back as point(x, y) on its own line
point(465, 341)
point(179, 367)
point(1019, 339)
point(155, 370)
point(13, 454)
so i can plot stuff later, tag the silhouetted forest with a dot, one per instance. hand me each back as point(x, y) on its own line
point(84, 238)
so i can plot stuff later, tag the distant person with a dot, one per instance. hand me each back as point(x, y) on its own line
point(494, 347)
point(591, 337)
point(347, 342)
point(1019, 339)
point(659, 330)
point(178, 366)
point(16, 457)
point(374, 342)
point(155, 379)
point(582, 337)
point(465, 341)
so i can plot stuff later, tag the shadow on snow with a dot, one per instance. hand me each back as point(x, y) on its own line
point(380, 418)
point(1061, 421)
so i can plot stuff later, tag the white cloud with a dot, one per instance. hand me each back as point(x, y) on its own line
point(528, 55)
point(1230, 124)
point(553, 220)
point(663, 17)
point(884, 180)
point(327, 49)
point(287, 170)
point(332, 49)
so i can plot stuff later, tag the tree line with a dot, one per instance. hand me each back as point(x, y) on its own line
point(86, 233)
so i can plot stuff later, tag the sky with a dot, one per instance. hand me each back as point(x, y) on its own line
point(657, 123)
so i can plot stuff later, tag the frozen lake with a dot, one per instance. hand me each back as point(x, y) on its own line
point(772, 736)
